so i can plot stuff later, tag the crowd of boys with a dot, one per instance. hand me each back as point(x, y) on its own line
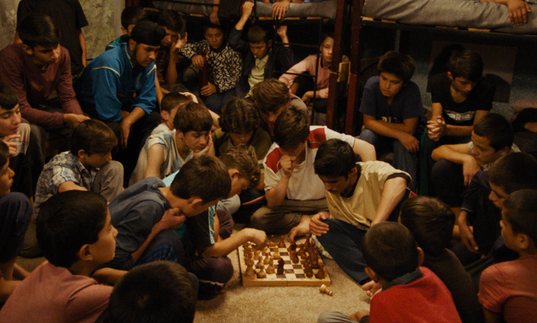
point(135, 215)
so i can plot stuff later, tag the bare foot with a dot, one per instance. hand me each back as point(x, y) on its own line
point(301, 229)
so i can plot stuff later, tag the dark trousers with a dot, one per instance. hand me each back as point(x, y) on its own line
point(16, 214)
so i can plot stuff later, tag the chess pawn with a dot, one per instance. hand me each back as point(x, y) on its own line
point(292, 246)
point(272, 243)
point(249, 262)
point(320, 273)
point(282, 243)
point(276, 254)
point(257, 253)
point(270, 268)
point(281, 263)
point(261, 273)
point(324, 289)
point(266, 250)
point(267, 260)
point(294, 259)
point(250, 273)
point(259, 264)
point(307, 270)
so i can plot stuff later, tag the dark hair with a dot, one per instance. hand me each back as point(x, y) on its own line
point(520, 210)
point(208, 25)
point(390, 250)
point(66, 222)
point(192, 117)
point(259, 34)
point(132, 15)
point(205, 177)
point(8, 97)
point(431, 222)
point(94, 137)
point(171, 20)
point(173, 100)
point(270, 95)
point(161, 291)
point(398, 64)
point(514, 171)
point(497, 129)
point(4, 154)
point(38, 29)
point(327, 33)
point(239, 115)
point(467, 64)
point(244, 160)
point(334, 158)
point(291, 128)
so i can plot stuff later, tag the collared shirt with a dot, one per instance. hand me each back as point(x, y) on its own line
point(257, 74)
point(64, 167)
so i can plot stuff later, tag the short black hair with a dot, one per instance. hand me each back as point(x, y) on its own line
point(496, 129)
point(208, 25)
point(520, 210)
point(514, 171)
point(94, 137)
point(431, 222)
point(38, 29)
point(259, 34)
point(173, 100)
point(4, 154)
point(467, 64)
point(192, 117)
point(291, 128)
point(398, 64)
point(8, 97)
point(66, 222)
point(389, 249)
point(334, 158)
point(205, 177)
point(132, 15)
point(171, 20)
point(239, 115)
point(161, 291)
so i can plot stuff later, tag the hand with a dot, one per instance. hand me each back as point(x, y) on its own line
point(518, 11)
point(411, 144)
point(436, 128)
point(190, 96)
point(307, 97)
point(208, 89)
point(11, 143)
point(469, 168)
point(125, 126)
point(279, 9)
point(282, 31)
point(467, 234)
point(198, 61)
point(177, 46)
point(74, 119)
point(258, 237)
point(371, 288)
point(357, 316)
point(214, 17)
point(206, 148)
point(247, 8)
point(318, 227)
point(288, 164)
point(170, 220)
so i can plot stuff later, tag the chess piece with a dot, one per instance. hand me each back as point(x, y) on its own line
point(270, 268)
point(294, 259)
point(276, 255)
point(307, 242)
point(267, 260)
point(307, 270)
point(261, 273)
point(281, 263)
point(272, 243)
point(250, 273)
point(320, 273)
point(282, 243)
point(292, 246)
point(259, 264)
point(257, 253)
point(266, 250)
point(325, 290)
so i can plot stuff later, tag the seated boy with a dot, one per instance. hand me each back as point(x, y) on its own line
point(431, 223)
point(261, 59)
point(161, 291)
point(166, 153)
point(86, 167)
point(272, 97)
point(293, 191)
point(75, 234)
point(168, 108)
point(130, 16)
point(391, 107)
point(456, 164)
point(16, 136)
point(461, 97)
point(16, 216)
point(481, 212)
point(359, 195)
point(507, 290)
point(410, 293)
point(224, 63)
point(170, 45)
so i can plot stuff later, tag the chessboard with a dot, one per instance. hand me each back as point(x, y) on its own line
point(294, 274)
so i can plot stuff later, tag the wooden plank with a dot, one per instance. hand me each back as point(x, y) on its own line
point(293, 275)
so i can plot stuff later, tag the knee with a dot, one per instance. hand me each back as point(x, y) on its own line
point(369, 136)
point(256, 220)
point(17, 205)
